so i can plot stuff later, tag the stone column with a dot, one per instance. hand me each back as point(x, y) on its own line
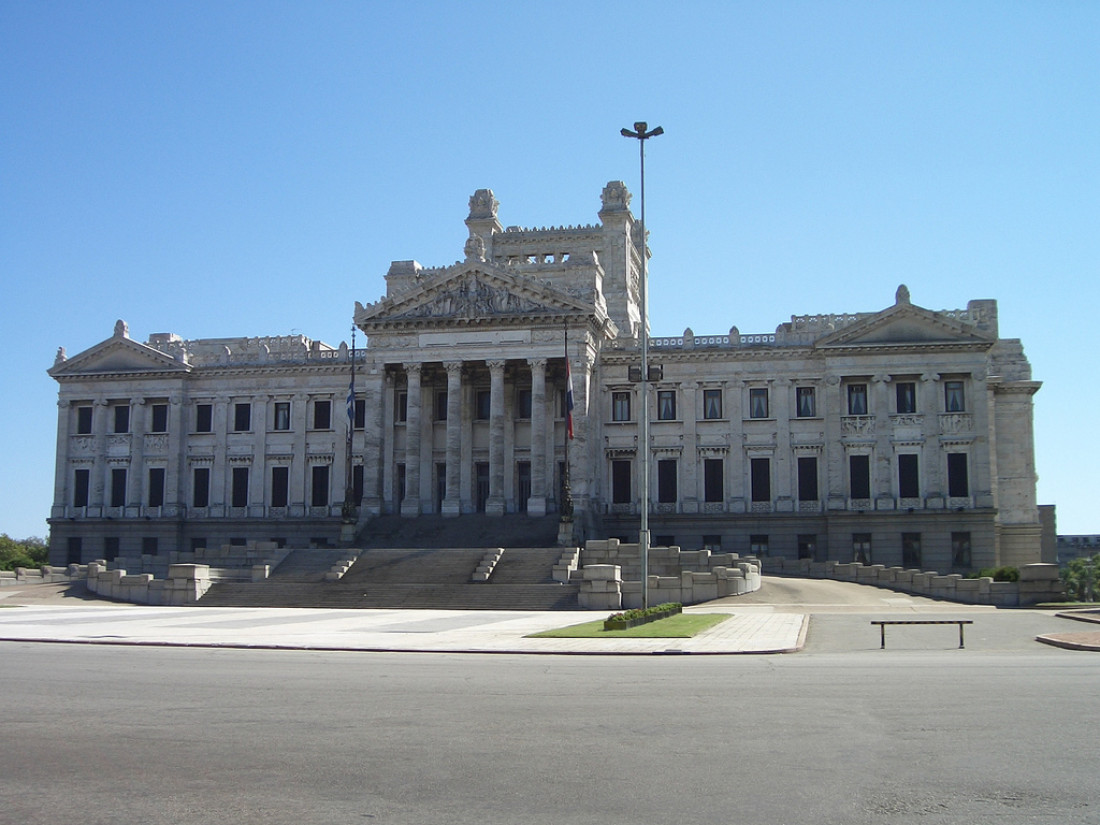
point(536, 504)
point(786, 465)
point(934, 489)
point(371, 388)
point(257, 473)
point(299, 467)
point(831, 409)
point(219, 496)
point(452, 501)
point(882, 471)
point(136, 481)
point(62, 471)
point(411, 504)
point(173, 475)
point(495, 504)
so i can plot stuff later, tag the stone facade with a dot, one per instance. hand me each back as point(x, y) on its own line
point(900, 437)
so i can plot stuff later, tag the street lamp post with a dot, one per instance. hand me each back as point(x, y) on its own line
point(641, 135)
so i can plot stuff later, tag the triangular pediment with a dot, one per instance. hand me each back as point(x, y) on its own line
point(472, 291)
point(117, 355)
point(905, 324)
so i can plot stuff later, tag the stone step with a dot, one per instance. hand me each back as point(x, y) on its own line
point(433, 596)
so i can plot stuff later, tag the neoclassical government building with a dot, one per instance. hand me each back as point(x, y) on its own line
point(900, 436)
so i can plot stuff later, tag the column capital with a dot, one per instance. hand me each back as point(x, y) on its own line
point(453, 367)
point(413, 367)
point(537, 363)
point(495, 365)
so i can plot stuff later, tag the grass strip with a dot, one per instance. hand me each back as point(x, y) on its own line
point(680, 626)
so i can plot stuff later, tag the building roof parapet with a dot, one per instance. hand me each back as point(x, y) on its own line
point(224, 352)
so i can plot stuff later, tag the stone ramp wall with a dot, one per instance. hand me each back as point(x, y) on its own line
point(1038, 582)
point(611, 575)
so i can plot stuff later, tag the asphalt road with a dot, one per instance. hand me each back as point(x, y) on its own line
point(921, 735)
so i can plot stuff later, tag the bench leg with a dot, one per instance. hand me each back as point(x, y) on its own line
point(961, 645)
point(882, 630)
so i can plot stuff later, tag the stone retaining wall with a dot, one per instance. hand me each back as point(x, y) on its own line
point(610, 577)
point(1038, 582)
point(184, 585)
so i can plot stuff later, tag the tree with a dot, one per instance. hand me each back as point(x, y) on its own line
point(1082, 578)
point(28, 552)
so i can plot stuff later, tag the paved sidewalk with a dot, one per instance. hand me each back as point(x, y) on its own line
point(439, 631)
point(57, 613)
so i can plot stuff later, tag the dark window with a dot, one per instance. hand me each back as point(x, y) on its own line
point(149, 546)
point(74, 550)
point(666, 405)
point(319, 486)
point(401, 407)
point(441, 406)
point(760, 470)
point(523, 403)
point(83, 420)
point(958, 481)
point(239, 495)
point(238, 541)
point(400, 482)
point(620, 481)
point(807, 479)
point(523, 484)
point(620, 406)
point(807, 546)
point(80, 487)
point(666, 480)
point(758, 402)
point(861, 547)
point(282, 415)
point(110, 548)
point(906, 392)
point(360, 413)
point(857, 399)
point(322, 415)
point(160, 418)
point(357, 483)
point(960, 550)
point(908, 476)
point(954, 399)
point(713, 479)
point(156, 486)
point(118, 487)
point(242, 418)
point(712, 542)
point(859, 476)
point(122, 418)
point(280, 486)
point(806, 402)
point(910, 550)
point(204, 418)
point(663, 540)
point(712, 404)
point(197, 543)
point(758, 545)
point(200, 487)
point(484, 405)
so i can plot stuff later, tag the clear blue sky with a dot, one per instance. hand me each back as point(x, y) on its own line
point(251, 168)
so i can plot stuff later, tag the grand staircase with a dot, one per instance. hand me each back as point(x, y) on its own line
point(424, 563)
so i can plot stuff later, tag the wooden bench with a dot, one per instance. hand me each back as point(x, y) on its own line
point(960, 622)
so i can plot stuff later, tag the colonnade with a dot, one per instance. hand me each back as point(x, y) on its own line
point(457, 454)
